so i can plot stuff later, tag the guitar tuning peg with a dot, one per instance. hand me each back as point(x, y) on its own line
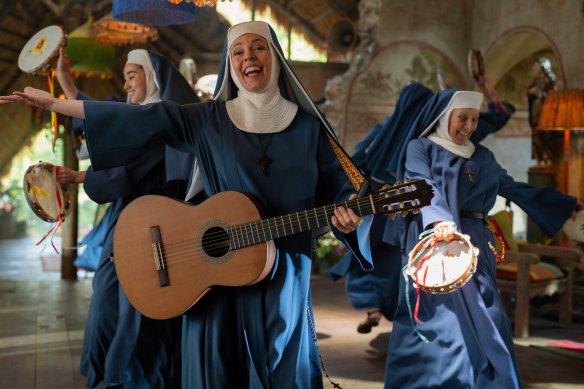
point(386, 186)
point(404, 213)
point(415, 211)
point(397, 183)
point(392, 216)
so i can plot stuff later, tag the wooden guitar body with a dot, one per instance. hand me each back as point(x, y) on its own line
point(191, 268)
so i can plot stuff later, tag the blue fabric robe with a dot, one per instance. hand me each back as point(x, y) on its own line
point(258, 336)
point(470, 342)
point(122, 347)
point(117, 338)
point(378, 155)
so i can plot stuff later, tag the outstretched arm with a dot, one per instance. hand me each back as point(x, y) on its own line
point(42, 99)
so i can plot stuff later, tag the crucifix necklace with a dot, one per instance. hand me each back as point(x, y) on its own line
point(264, 161)
point(469, 173)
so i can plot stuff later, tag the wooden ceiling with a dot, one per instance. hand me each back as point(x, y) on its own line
point(21, 19)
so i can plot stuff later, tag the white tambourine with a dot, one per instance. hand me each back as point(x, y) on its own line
point(441, 267)
point(49, 199)
point(40, 53)
point(575, 228)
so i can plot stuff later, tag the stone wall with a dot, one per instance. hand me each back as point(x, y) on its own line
point(419, 39)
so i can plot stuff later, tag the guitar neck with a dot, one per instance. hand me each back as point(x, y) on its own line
point(264, 230)
point(396, 199)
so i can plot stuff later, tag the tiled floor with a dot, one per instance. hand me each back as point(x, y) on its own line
point(42, 320)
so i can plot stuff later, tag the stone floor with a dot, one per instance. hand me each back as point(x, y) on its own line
point(42, 320)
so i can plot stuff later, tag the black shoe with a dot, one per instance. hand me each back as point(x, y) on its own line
point(372, 320)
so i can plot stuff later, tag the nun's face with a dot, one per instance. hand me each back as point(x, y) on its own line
point(463, 122)
point(135, 83)
point(252, 62)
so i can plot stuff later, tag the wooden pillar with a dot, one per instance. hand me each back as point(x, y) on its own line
point(69, 233)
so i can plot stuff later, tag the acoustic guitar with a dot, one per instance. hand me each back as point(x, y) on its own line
point(168, 253)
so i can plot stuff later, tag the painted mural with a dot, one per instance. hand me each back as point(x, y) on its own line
point(372, 93)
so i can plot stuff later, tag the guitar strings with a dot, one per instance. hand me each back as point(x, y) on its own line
point(231, 233)
point(220, 241)
point(212, 245)
point(257, 228)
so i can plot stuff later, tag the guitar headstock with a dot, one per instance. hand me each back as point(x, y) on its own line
point(403, 198)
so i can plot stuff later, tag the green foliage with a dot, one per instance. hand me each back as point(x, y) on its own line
point(329, 250)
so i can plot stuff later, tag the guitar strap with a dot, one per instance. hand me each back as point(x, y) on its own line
point(351, 170)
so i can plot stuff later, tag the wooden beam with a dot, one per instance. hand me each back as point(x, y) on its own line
point(9, 76)
point(170, 42)
point(10, 48)
point(306, 27)
point(56, 9)
point(4, 139)
point(322, 15)
point(6, 31)
point(13, 128)
point(190, 42)
point(293, 3)
point(339, 9)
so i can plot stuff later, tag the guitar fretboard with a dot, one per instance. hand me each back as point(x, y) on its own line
point(399, 198)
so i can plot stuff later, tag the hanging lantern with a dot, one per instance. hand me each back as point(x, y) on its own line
point(111, 31)
point(89, 58)
point(153, 12)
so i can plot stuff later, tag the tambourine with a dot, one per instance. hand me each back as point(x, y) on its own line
point(39, 55)
point(205, 86)
point(440, 267)
point(49, 199)
point(476, 64)
point(575, 228)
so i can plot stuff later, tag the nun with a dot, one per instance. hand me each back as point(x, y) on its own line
point(462, 339)
point(121, 346)
point(377, 154)
point(261, 135)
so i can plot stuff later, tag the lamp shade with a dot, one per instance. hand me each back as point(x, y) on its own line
point(89, 58)
point(111, 31)
point(153, 12)
point(563, 110)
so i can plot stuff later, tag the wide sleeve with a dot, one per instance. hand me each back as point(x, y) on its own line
point(118, 134)
point(546, 206)
point(419, 166)
point(492, 121)
point(111, 184)
point(334, 185)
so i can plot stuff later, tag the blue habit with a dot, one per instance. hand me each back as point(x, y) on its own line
point(469, 335)
point(258, 336)
point(378, 155)
point(122, 347)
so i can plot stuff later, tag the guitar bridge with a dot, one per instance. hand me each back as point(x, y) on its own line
point(159, 259)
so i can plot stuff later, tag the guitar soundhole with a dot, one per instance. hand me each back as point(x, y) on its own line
point(215, 242)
